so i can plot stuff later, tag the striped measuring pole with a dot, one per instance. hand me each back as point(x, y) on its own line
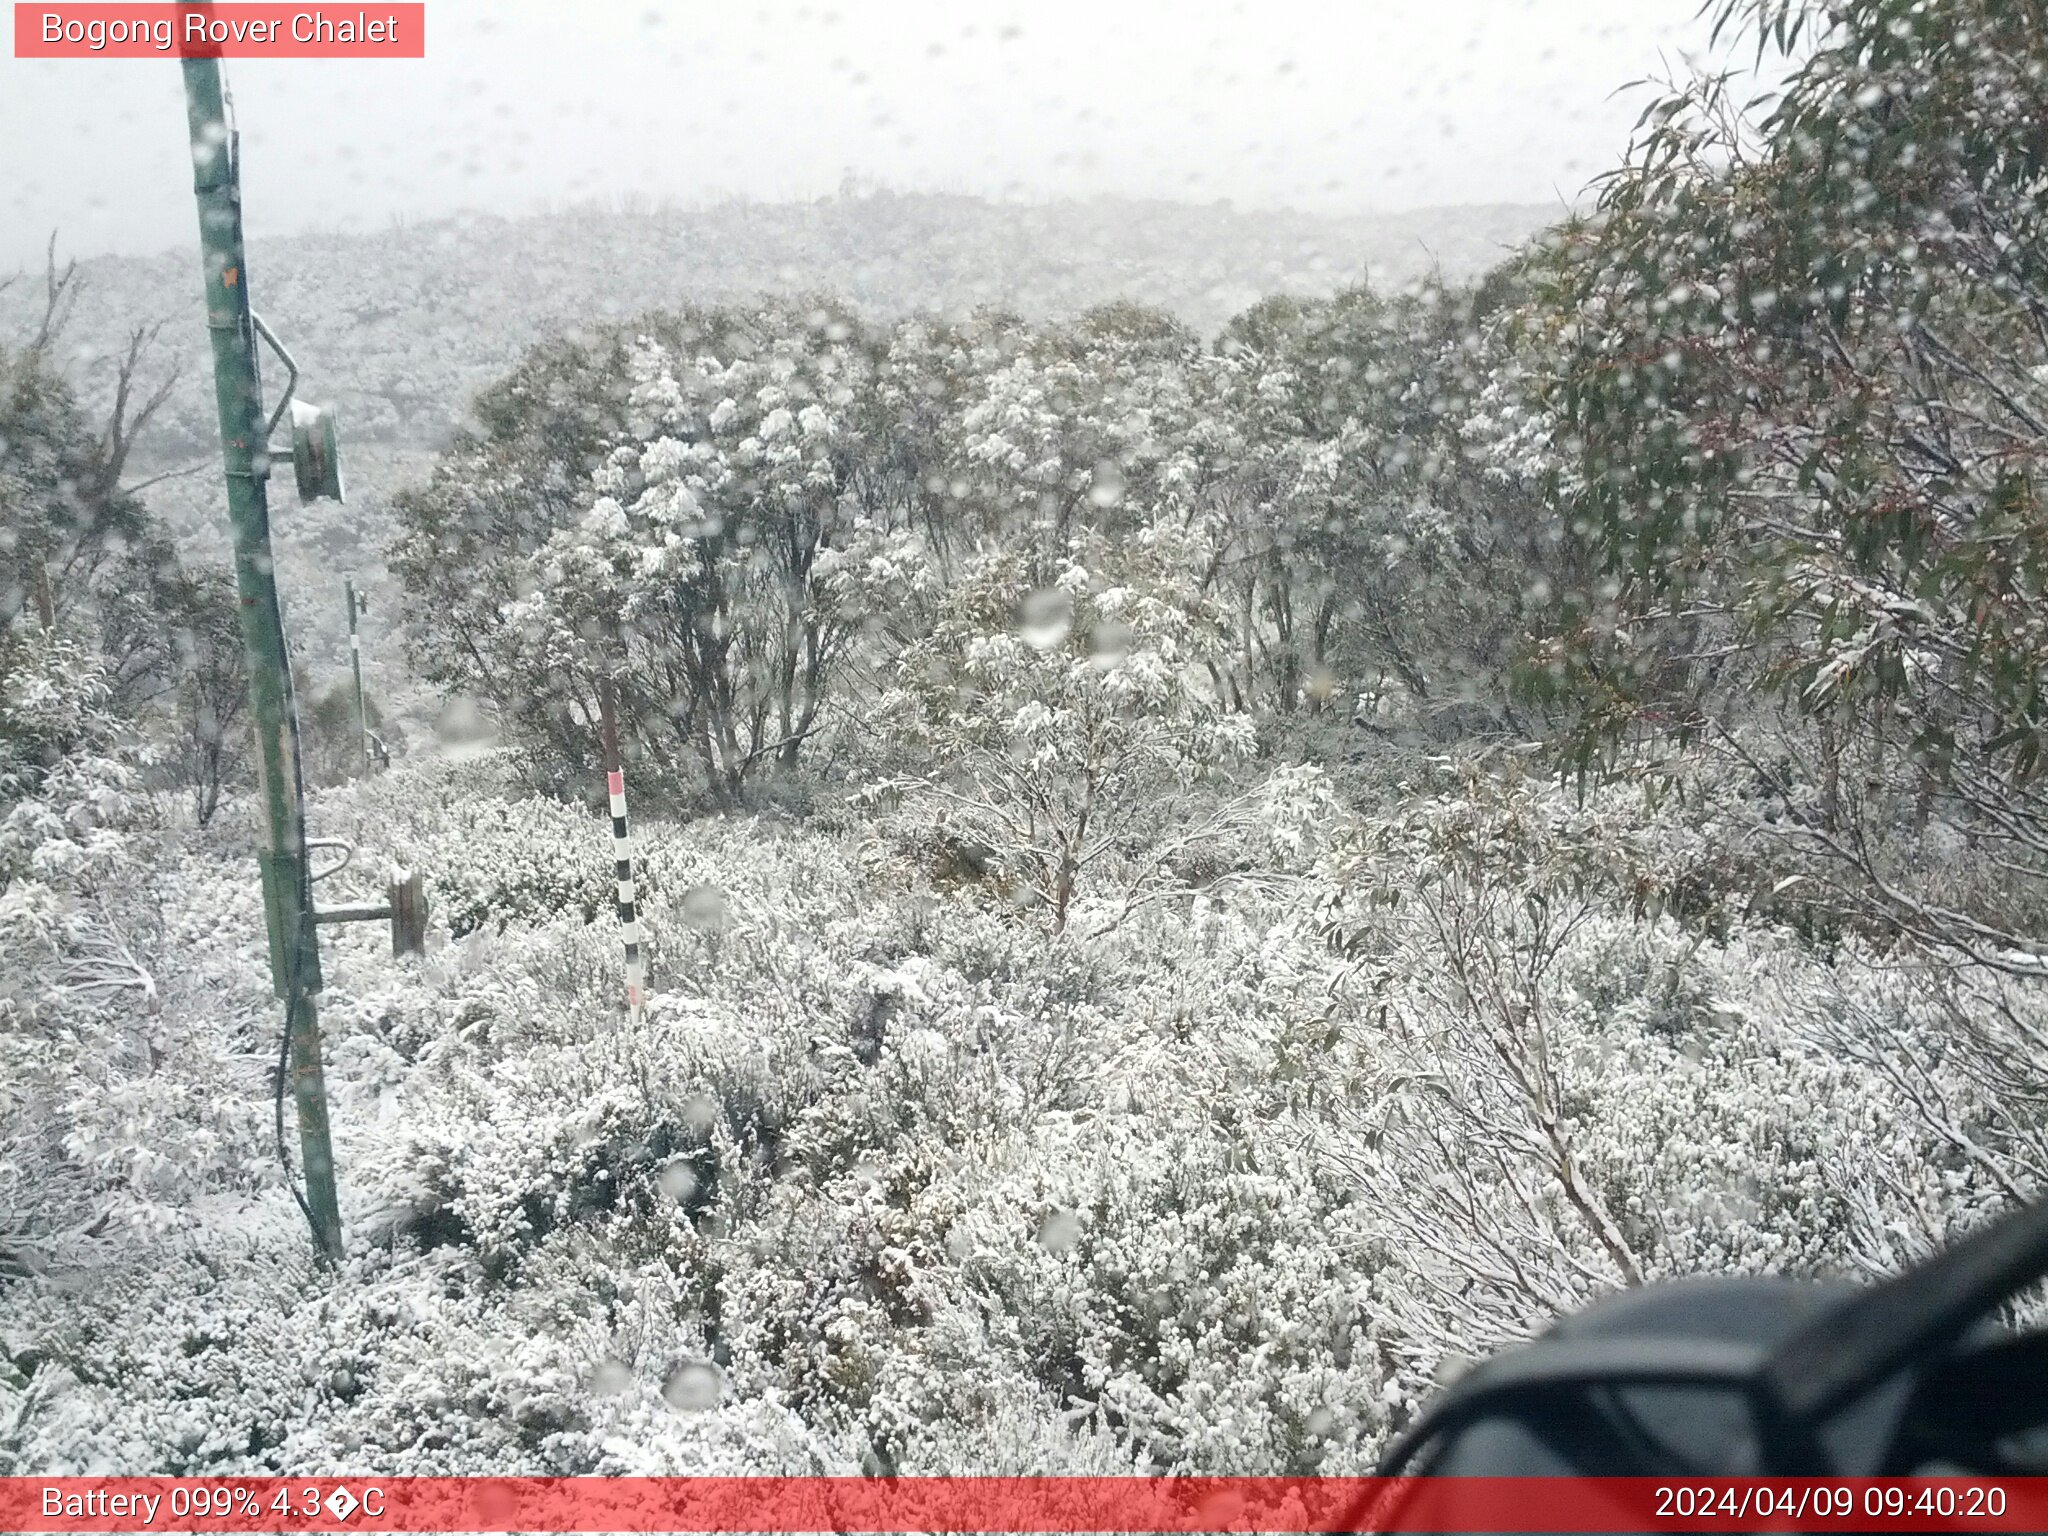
point(622, 857)
point(357, 607)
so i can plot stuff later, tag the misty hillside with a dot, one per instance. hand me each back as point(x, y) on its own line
point(400, 326)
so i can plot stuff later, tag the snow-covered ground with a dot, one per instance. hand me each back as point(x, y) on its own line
point(891, 1177)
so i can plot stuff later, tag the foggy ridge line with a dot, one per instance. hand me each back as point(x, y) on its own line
point(410, 319)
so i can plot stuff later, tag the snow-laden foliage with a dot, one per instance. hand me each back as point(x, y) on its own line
point(1076, 723)
point(892, 1178)
point(736, 520)
point(111, 1114)
point(711, 536)
point(425, 312)
point(1800, 347)
point(1565, 1096)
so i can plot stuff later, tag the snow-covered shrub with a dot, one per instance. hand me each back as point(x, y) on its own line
point(111, 1116)
point(493, 861)
point(1556, 1097)
point(888, 1180)
point(1170, 1272)
point(1082, 757)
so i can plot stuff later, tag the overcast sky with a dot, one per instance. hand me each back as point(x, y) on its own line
point(1341, 105)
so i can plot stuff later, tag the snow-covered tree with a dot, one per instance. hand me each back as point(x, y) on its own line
point(1803, 359)
point(1073, 725)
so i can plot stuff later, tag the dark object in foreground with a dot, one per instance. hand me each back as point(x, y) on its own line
point(1749, 1377)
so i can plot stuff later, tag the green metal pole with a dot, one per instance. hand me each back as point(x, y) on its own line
point(287, 890)
point(355, 663)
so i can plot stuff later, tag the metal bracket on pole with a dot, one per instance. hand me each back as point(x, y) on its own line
point(291, 372)
point(351, 912)
point(405, 906)
point(348, 852)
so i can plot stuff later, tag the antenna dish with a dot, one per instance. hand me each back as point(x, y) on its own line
point(316, 454)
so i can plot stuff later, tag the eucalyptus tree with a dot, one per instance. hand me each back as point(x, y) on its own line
point(1804, 359)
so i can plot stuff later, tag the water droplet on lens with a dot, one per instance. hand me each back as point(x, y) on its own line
point(1046, 618)
point(1108, 486)
point(693, 1385)
point(1060, 1231)
point(678, 1181)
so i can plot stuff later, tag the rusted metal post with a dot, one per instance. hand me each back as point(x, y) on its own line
point(409, 915)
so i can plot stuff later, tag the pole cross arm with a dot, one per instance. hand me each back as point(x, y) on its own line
point(404, 905)
point(351, 912)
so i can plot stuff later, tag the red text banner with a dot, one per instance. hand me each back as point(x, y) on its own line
point(1022, 1504)
point(237, 30)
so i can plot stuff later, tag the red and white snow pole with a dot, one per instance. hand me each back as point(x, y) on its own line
point(622, 855)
